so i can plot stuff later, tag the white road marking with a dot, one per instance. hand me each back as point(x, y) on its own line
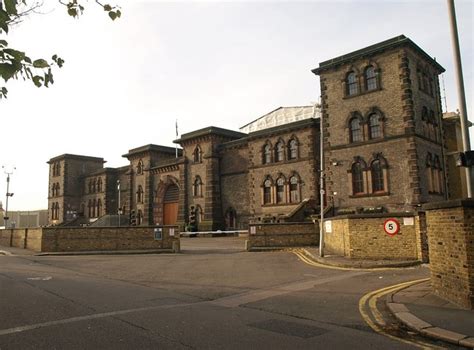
point(46, 278)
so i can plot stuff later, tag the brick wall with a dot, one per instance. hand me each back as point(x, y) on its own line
point(73, 239)
point(451, 239)
point(282, 235)
point(363, 237)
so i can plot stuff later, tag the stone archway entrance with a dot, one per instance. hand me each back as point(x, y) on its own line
point(170, 205)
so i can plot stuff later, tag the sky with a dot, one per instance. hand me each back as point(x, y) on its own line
point(221, 63)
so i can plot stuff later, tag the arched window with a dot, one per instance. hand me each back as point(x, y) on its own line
point(437, 175)
point(94, 185)
point(139, 217)
point(292, 149)
point(294, 190)
point(356, 130)
point(377, 176)
point(140, 194)
point(94, 205)
point(267, 154)
point(53, 190)
point(140, 167)
point(267, 191)
point(425, 121)
point(280, 190)
point(370, 78)
point(357, 178)
point(197, 187)
point(197, 155)
point(279, 151)
point(99, 207)
point(429, 172)
point(375, 129)
point(89, 208)
point(99, 185)
point(352, 86)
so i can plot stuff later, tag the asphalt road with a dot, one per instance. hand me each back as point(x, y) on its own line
point(213, 295)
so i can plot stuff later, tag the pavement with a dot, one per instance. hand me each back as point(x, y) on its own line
point(416, 306)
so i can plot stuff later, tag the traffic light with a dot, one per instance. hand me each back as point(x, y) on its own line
point(192, 220)
point(133, 218)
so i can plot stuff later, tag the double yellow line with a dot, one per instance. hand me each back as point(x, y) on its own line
point(368, 308)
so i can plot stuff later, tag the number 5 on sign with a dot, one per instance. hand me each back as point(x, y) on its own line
point(391, 227)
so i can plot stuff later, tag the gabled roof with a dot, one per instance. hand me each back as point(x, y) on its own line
point(151, 148)
point(397, 41)
point(282, 116)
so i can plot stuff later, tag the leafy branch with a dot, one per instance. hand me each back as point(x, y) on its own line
point(15, 64)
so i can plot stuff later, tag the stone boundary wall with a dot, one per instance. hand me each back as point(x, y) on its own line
point(363, 237)
point(76, 239)
point(282, 235)
point(451, 240)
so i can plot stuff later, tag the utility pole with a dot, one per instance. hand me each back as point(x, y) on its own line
point(461, 94)
point(8, 194)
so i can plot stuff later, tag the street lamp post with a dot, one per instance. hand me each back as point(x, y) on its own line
point(119, 211)
point(8, 194)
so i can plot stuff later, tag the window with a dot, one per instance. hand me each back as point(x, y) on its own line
point(267, 191)
point(280, 151)
point(267, 154)
point(139, 217)
point(55, 211)
point(94, 185)
point(198, 213)
point(99, 185)
point(94, 205)
point(140, 194)
point(377, 176)
point(230, 218)
point(424, 121)
point(99, 207)
point(357, 178)
point(140, 167)
point(292, 149)
point(280, 190)
point(352, 86)
point(197, 155)
point(355, 129)
point(370, 78)
point(294, 190)
point(429, 172)
point(89, 207)
point(56, 169)
point(197, 187)
point(375, 129)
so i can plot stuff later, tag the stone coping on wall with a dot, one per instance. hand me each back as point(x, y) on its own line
point(282, 223)
point(453, 203)
point(371, 215)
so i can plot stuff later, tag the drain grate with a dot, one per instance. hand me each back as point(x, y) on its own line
point(289, 328)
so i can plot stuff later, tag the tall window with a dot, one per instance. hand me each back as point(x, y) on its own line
point(140, 194)
point(292, 149)
point(294, 191)
point(357, 178)
point(375, 129)
point(377, 176)
point(279, 151)
point(267, 191)
point(197, 155)
point(425, 121)
point(267, 154)
point(352, 86)
point(139, 217)
point(356, 130)
point(55, 211)
point(370, 78)
point(437, 175)
point(197, 187)
point(198, 213)
point(94, 206)
point(94, 185)
point(140, 167)
point(89, 207)
point(280, 190)
point(99, 207)
point(99, 185)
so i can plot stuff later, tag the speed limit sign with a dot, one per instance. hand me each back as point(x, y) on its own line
point(391, 227)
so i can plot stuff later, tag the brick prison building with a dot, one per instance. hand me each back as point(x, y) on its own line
point(386, 147)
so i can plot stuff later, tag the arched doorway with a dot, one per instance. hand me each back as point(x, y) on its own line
point(170, 205)
point(230, 219)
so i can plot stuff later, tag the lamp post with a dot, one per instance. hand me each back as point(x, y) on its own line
point(119, 211)
point(8, 194)
point(461, 94)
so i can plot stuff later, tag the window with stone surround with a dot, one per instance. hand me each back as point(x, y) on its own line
point(294, 189)
point(375, 127)
point(355, 128)
point(377, 176)
point(434, 174)
point(280, 151)
point(267, 153)
point(267, 191)
point(198, 214)
point(370, 78)
point(197, 187)
point(140, 194)
point(352, 84)
point(99, 207)
point(99, 184)
point(56, 169)
point(280, 190)
point(357, 172)
point(292, 149)
point(55, 211)
point(140, 167)
point(139, 217)
point(197, 155)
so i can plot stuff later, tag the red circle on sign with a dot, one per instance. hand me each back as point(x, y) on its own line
point(391, 227)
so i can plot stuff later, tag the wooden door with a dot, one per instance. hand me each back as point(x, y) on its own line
point(170, 213)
